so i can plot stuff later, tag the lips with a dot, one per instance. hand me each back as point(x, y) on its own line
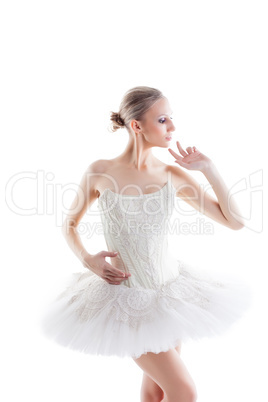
point(169, 138)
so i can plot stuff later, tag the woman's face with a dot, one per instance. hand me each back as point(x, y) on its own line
point(156, 127)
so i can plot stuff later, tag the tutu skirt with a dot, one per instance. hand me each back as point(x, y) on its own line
point(94, 317)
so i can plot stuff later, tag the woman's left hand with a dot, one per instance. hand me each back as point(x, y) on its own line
point(193, 159)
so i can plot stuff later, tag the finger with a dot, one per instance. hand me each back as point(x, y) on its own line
point(179, 158)
point(176, 156)
point(183, 164)
point(114, 272)
point(114, 279)
point(189, 150)
point(180, 149)
point(113, 276)
point(109, 253)
point(109, 269)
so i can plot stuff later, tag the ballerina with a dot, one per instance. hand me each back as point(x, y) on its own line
point(145, 302)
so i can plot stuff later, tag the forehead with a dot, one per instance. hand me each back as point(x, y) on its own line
point(161, 106)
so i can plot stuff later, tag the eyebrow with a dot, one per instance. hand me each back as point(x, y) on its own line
point(164, 114)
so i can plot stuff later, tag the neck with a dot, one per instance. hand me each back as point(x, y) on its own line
point(138, 153)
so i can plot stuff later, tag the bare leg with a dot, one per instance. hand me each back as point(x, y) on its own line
point(168, 378)
point(150, 390)
point(165, 376)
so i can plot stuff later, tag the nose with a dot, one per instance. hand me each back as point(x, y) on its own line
point(172, 127)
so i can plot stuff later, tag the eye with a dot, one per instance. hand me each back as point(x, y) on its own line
point(163, 120)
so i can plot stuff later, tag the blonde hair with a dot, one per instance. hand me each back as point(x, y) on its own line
point(134, 105)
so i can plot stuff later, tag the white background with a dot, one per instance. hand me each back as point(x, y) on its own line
point(64, 66)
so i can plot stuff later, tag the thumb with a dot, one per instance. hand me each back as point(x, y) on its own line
point(110, 253)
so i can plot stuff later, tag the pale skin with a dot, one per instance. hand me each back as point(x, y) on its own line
point(136, 170)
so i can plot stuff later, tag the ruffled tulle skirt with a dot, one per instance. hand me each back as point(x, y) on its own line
point(95, 317)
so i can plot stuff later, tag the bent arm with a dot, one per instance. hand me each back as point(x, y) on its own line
point(84, 198)
point(73, 239)
point(229, 207)
point(222, 210)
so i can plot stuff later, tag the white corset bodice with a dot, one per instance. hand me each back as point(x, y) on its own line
point(137, 226)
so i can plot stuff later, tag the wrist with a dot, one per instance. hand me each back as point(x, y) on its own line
point(83, 254)
point(85, 258)
point(208, 168)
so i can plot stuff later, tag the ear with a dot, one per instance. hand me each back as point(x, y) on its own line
point(135, 125)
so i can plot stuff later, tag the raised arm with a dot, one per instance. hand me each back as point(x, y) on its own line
point(222, 210)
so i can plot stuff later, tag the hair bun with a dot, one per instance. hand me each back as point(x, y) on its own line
point(134, 105)
point(117, 121)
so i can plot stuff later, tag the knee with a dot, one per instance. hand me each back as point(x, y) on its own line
point(187, 393)
point(191, 394)
point(147, 396)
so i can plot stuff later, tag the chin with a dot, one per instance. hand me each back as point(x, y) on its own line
point(166, 145)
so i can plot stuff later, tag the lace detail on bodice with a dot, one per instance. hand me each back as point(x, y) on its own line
point(137, 227)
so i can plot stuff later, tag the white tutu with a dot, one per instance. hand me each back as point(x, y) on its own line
point(95, 317)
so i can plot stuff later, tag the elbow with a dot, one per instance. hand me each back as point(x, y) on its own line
point(234, 225)
point(237, 226)
point(64, 229)
point(67, 228)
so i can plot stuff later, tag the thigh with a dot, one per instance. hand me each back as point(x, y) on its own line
point(178, 348)
point(150, 387)
point(167, 370)
point(150, 390)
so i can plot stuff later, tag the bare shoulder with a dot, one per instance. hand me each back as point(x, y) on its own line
point(180, 178)
point(99, 166)
point(96, 173)
point(176, 172)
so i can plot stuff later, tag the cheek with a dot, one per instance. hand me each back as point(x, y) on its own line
point(155, 130)
point(158, 128)
point(156, 134)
